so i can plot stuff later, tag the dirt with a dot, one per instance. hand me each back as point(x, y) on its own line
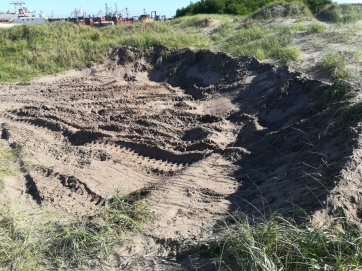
point(202, 133)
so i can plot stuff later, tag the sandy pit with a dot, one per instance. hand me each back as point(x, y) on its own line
point(201, 134)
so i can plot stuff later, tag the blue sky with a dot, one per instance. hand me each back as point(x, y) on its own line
point(63, 8)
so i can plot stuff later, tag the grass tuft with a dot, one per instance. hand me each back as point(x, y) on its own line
point(27, 243)
point(19, 248)
point(334, 66)
point(7, 163)
point(278, 244)
point(126, 212)
point(317, 28)
point(78, 243)
point(352, 114)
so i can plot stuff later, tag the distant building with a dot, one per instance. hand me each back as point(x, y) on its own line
point(359, 5)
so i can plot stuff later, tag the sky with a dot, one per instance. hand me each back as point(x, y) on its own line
point(64, 8)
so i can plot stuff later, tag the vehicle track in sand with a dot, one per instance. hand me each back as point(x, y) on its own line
point(86, 136)
point(201, 132)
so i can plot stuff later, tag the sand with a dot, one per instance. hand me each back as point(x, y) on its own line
point(203, 133)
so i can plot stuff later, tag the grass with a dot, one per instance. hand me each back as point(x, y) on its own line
point(263, 43)
point(78, 243)
point(29, 51)
point(343, 13)
point(279, 244)
point(19, 248)
point(126, 213)
point(334, 65)
point(7, 163)
point(282, 9)
point(316, 28)
point(352, 114)
point(32, 241)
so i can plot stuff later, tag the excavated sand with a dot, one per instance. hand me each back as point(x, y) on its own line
point(199, 133)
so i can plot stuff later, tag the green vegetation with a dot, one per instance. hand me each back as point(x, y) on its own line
point(341, 91)
point(7, 165)
point(18, 249)
point(77, 243)
point(240, 7)
point(334, 66)
point(27, 243)
point(316, 28)
point(278, 244)
point(343, 13)
point(352, 114)
point(27, 51)
point(282, 9)
point(261, 43)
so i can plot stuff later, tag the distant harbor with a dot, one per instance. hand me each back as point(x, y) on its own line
point(23, 15)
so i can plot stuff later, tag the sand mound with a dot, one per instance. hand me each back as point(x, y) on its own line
point(343, 13)
point(281, 10)
point(204, 133)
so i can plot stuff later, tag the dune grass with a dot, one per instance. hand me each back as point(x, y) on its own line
point(33, 241)
point(8, 166)
point(283, 9)
point(279, 244)
point(334, 65)
point(19, 248)
point(343, 13)
point(28, 51)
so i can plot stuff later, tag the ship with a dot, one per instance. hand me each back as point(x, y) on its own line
point(21, 15)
